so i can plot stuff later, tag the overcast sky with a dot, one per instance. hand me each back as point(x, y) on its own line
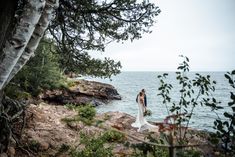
point(203, 30)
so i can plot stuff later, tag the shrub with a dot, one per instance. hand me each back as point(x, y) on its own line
point(94, 147)
point(106, 116)
point(189, 153)
point(146, 150)
point(113, 136)
point(71, 107)
point(192, 92)
point(70, 83)
point(225, 126)
point(86, 114)
point(14, 92)
point(34, 145)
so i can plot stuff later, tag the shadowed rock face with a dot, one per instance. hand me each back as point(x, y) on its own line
point(83, 92)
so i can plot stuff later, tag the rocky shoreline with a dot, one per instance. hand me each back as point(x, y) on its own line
point(81, 93)
point(45, 132)
point(45, 128)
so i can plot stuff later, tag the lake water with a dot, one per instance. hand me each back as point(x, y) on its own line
point(129, 84)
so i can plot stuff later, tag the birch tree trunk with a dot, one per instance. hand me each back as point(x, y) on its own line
point(38, 33)
point(15, 46)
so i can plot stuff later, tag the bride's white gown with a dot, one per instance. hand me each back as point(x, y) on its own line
point(141, 122)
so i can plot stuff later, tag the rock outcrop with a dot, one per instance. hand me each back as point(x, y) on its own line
point(83, 92)
point(46, 134)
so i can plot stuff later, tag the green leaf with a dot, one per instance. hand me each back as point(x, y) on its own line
point(214, 100)
point(226, 123)
point(233, 72)
point(231, 82)
point(181, 67)
point(219, 107)
point(233, 122)
point(227, 76)
point(229, 79)
point(233, 108)
point(231, 103)
point(232, 96)
point(227, 115)
point(165, 74)
point(202, 91)
point(187, 59)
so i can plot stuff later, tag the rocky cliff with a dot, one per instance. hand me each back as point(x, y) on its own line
point(82, 92)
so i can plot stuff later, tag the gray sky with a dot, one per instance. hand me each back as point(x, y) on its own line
point(203, 30)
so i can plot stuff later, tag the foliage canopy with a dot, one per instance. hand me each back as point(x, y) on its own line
point(84, 25)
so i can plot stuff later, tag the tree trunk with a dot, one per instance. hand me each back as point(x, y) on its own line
point(16, 51)
point(14, 48)
point(38, 33)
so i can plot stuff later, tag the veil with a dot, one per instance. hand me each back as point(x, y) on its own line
point(140, 121)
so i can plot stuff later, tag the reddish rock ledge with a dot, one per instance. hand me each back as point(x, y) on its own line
point(46, 131)
point(83, 92)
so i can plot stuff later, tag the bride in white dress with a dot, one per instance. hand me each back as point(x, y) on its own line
point(141, 122)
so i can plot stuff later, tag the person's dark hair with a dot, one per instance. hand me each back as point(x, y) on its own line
point(141, 93)
point(143, 90)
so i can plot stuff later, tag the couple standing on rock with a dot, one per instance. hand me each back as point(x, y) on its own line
point(141, 122)
point(143, 99)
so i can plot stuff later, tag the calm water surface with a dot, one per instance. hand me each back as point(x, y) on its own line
point(129, 84)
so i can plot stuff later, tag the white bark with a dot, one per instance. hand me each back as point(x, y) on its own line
point(38, 33)
point(14, 48)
